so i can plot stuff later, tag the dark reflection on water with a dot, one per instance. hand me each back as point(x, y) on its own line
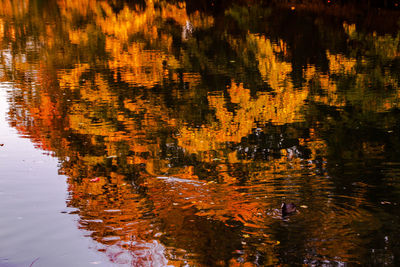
point(183, 127)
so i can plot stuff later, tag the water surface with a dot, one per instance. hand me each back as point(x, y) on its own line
point(159, 133)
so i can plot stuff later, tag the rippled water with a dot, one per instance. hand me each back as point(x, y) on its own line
point(157, 133)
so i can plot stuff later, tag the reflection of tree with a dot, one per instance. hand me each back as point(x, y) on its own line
point(236, 120)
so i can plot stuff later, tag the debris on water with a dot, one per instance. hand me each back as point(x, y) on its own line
point(34, 261)
point(385, 202)
point(180, 180)
point(304, 206)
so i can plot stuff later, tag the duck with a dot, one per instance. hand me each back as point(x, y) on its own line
point(288, 208)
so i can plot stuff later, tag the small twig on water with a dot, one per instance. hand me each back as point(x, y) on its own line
point(34, 261)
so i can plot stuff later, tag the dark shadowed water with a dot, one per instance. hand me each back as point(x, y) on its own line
point(169, 133)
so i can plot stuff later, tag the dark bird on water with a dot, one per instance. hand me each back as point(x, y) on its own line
point(288, 208)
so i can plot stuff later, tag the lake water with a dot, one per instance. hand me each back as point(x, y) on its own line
point(169, 133)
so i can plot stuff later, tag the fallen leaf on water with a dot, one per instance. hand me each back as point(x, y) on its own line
point(95, 179)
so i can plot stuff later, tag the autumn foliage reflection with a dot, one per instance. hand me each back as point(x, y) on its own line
point(177, 155)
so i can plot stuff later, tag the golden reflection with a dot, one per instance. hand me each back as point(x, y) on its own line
point(274, 71)
point(229, 126)
point(12, 8)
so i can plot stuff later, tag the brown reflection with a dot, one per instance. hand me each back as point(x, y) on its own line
point(176, 156)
